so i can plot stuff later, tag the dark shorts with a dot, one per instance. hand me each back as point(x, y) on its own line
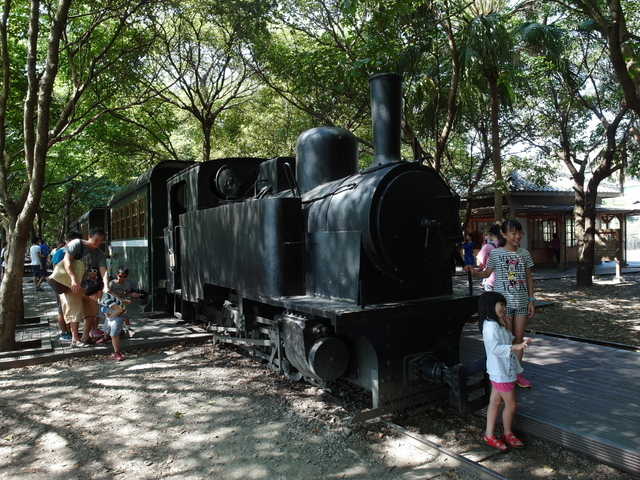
point(37, 271)
point(516, 312)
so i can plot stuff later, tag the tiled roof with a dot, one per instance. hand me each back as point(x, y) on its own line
point(568, 209)
point(519, 184)
point(563, 183)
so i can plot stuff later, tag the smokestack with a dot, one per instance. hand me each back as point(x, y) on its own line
point(386, 117)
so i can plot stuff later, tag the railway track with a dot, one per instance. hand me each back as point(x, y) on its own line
point(469, 462)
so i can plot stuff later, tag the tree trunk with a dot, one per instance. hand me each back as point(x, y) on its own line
point(622, 54)
point(36, 122)
point(613, 25)
point(585, 217)
point(11, 300)
point(495, 147)
point(206, 142)
point(586, 246)
point(66, 222)
point(452, 100)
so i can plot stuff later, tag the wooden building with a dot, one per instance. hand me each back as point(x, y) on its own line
point(543, 211)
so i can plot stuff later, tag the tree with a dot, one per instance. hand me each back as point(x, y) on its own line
point(429, 57)
point(316, 59)
point(606, 163)
point(487, 54)
point(494, 37)
point(321, 53)
point(62, 75)
point(200, 61)
point(568, 96)
point(612, 20)
point(267, 126)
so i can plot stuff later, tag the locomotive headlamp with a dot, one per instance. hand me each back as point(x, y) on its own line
point(227, 183)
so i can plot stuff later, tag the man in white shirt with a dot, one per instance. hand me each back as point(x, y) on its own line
point(36, 265)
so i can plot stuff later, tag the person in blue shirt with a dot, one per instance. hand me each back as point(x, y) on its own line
point(44, 254)
point(467, 247)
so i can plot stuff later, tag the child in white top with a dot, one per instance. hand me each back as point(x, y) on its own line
point(502, 367)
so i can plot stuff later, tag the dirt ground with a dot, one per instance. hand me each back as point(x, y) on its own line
point(608, 310)
point(200, 412)
point(190, 412)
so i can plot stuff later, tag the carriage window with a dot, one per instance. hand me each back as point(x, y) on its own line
point(226, 183)
point(112, 230)
point(120, 222)
point(114, 221)
point(134, 220)
point(127, 221)
point(141, 217)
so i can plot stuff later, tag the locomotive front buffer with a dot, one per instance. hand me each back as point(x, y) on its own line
point(469, 382)
point(466, 386)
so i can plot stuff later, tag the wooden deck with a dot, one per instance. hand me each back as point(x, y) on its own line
point(584, 397)
point(41, 344)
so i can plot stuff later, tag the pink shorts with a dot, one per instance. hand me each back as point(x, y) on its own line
point(504, 387)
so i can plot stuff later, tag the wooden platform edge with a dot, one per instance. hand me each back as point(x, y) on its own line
point(600, 449)
point(31, 360)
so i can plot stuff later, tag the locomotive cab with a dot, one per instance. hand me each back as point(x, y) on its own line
point(202, 186)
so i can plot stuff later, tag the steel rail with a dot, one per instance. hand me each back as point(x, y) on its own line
point(457, 460)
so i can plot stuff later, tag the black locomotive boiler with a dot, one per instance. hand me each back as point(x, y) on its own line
point(327, 272)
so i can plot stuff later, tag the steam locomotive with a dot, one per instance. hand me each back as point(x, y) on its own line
point(323, 271)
